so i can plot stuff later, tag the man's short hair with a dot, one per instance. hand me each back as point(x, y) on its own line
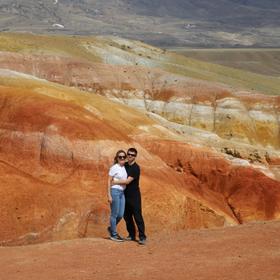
point(133, 150)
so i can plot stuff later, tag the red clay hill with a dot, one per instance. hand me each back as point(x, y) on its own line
point(56, 145)
point(209, 152)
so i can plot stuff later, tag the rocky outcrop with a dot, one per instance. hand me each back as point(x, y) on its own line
point(212, 173)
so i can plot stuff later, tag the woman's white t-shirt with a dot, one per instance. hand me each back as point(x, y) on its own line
point(119, 173)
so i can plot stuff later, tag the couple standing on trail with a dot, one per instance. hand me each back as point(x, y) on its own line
point(124, 196)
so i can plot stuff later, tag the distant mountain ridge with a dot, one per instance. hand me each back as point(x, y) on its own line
point(202, 23)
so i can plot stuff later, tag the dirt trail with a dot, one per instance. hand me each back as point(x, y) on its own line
point(250, 252)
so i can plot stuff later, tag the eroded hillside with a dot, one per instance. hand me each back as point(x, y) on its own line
point(209, 152)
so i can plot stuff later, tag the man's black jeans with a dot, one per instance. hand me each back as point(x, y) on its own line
point(133, 210)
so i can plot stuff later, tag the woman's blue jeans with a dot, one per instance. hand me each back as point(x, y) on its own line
point(117, 209)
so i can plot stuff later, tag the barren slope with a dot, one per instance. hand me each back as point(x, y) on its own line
point(160, 22)
point(118, 51)
point(261, 61)
point(57, 144)
point(209, 153)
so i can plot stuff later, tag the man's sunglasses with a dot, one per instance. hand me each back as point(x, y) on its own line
point(132, 155)
point(121, 157)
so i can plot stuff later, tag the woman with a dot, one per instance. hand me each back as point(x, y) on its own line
point(116, 194)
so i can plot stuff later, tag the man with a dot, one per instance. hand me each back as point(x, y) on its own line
point(133, 208)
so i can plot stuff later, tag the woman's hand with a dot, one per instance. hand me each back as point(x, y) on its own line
point(110, 199)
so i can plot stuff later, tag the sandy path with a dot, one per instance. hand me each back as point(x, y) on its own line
point(250, 252)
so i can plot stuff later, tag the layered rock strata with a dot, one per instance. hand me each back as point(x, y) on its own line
point(56, 145)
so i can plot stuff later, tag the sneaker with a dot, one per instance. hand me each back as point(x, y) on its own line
point(116, 238)
point(142, 241)
point(129, 238)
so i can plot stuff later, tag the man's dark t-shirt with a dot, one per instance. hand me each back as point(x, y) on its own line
point(133, 171)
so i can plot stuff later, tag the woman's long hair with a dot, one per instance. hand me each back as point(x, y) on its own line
point(117, 155)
